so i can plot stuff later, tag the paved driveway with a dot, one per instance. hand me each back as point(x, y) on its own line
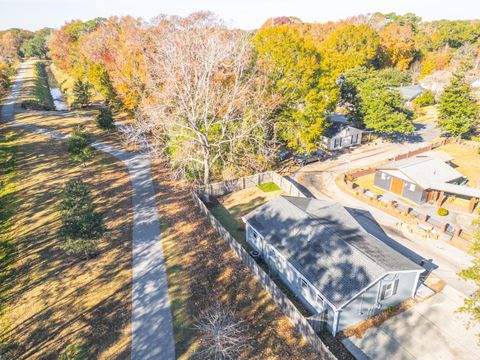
point(431, 330)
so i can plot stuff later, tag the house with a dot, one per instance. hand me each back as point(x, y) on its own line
point(341, 134)
point(338, 270)
point(423, 179)
point(410, 93)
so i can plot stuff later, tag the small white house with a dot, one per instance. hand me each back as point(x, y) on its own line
point(339, 136)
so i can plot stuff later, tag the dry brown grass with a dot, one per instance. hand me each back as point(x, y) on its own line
point(202, 270)
point(240, 203)
point(467, 161)
point(56, 300)
point(435, 283)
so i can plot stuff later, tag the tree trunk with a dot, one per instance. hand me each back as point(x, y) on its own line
point(206, 178)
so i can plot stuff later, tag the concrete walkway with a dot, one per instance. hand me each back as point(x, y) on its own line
point(431, 330)
point(152, 328)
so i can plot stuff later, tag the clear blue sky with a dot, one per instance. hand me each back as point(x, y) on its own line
point(247, 14)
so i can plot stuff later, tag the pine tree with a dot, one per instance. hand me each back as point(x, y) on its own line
point(81, 225)
point(104, 119)
point(458, 108)
point(81, 94)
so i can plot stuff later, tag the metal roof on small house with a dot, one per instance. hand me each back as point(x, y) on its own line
point(430, 173)
point(325, 243)
point(336, 129)
point(410, 92)
point(424, 170)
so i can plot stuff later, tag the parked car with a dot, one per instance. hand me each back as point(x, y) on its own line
point(304, 159)
point(284, 155)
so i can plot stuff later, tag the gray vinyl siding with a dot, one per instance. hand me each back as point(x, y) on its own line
point(416, 195)
point(342, 141)
point(382, 183)
point(369, 303)
point(361, 308)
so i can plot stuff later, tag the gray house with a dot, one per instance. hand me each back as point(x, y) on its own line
point(411, 92)
point(423, 179)
point(340, 272)
point(340, 135)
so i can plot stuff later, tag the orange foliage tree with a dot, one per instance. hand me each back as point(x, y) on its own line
point(398, 45)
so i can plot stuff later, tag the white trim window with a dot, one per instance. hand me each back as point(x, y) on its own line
point(389, 289)
point(320, 301)
point(412, 187)
point(384, 176)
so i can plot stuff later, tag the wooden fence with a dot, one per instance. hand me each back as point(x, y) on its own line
point(362, 172)
point(228, 186)
point(282, 301)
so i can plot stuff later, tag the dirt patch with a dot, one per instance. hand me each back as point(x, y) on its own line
point(202, 271)
point(56, 300)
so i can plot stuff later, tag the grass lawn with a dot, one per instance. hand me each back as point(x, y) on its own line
point(203, 271)
point(269, 187)
point(367, 182)
point(7, 200)
point(430, 113)
point(240, 203)
point(467, 160)
point(54, 301)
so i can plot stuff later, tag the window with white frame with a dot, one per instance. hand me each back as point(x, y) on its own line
point(304, 284)
point(412, 187)
point(384, 176)
point(320, 301)
point(389, 289)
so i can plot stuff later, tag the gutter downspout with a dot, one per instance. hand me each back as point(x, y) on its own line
point(336, 315)
point(415, 285)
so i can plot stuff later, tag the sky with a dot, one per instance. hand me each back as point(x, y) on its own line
point(245, 14)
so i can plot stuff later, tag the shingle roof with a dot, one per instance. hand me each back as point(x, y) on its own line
point(324, 242)
point(335, 128)
point(424, 170)
point(410, 92)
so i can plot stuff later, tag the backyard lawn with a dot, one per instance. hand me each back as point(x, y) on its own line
point(467, 160)
point(240, 203)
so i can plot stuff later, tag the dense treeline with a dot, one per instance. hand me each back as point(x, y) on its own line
point(221, 102)
point(16, 45)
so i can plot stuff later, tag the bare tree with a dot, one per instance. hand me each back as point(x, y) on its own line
point(222, 335)
point(203, 96)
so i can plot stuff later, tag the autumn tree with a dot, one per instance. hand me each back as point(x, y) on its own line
point(115, 52)
point(305, 94)
point(351, 46)
point(458, 109)
point(398, 45)
point(10, 45)
point(203, 95)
